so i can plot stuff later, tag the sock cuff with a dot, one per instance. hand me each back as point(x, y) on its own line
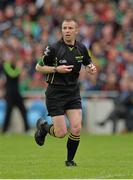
point(74, 137)
point(51, 130)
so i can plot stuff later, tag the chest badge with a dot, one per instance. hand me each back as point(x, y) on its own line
point(63, 61)
point(79, 58)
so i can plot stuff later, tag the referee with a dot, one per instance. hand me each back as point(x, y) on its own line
point(62, 62)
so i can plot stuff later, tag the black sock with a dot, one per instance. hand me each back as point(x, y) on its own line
point(72, 145)
point(50, 129)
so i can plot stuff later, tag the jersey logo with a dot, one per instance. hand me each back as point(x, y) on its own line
point(79, 58)
point(47, 51)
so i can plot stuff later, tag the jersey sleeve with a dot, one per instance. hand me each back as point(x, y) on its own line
point(87, 59)
point(47, 58)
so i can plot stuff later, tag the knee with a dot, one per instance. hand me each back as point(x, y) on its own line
point(76, 130)
point(60, 133)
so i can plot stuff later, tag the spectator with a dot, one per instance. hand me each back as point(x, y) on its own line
point(129, 119)
point(12, 70)
point(123, 104)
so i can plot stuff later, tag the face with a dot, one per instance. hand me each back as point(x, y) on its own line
point(69, 31)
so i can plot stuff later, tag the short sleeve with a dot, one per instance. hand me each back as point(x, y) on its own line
point(48, 56)
point(87, 59)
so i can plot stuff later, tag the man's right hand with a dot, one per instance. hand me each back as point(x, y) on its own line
point(64, 68)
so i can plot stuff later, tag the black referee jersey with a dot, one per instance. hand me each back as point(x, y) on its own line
point(62, 54)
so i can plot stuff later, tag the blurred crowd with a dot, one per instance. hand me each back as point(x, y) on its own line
point(106, 29)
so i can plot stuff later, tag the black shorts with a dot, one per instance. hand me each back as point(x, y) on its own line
point(60, 99)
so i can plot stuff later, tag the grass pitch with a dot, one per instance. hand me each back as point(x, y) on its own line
point(104, 157)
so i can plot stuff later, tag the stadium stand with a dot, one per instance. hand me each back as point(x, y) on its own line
point(106, 29)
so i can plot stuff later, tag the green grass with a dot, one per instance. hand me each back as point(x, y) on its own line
point(97, 157)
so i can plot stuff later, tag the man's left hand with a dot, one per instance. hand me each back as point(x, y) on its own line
point(91, 69)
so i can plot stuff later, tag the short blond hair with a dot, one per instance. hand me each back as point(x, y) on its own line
point(69, 20)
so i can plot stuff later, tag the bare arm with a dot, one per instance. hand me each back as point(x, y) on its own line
point(51, 69)
point(45, 69)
